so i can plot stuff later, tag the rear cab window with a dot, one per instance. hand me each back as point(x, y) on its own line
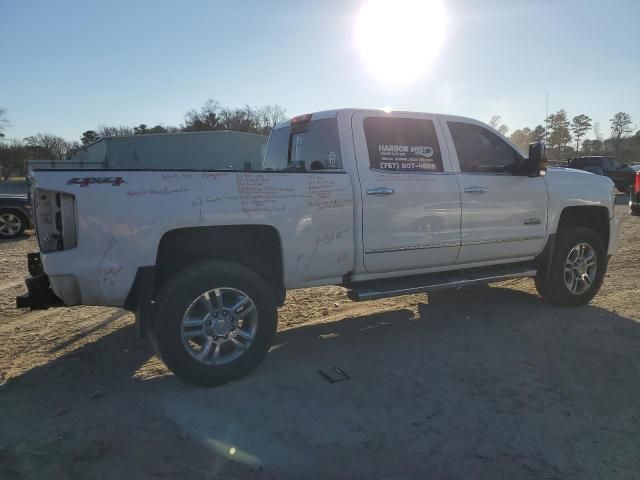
point(303, 146)
point(402, 145)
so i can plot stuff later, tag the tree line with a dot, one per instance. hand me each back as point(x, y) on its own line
point(564, 137)
point(210, 117)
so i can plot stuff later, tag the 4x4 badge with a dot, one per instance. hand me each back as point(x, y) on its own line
point(86, 181)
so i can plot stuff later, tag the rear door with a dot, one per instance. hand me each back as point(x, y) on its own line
point(410, 196)
point(504, 215)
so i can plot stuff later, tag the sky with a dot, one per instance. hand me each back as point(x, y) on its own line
point(72, 65)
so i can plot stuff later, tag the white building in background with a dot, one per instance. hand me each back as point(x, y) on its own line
point(217, 150)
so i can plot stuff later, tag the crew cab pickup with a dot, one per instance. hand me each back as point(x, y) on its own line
point(621, 174)
point(381, 203)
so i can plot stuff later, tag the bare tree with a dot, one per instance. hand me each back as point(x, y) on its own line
point(213, 116)
point(12, 157)
point(74, 147)
point(239, 119)
point(208, 118)
point(597, 132)
point(495, 121)
point(55, 147)
point(620, 125)
point(620, 128)
point(121, 131)
point(269, 116)
point(4, 122)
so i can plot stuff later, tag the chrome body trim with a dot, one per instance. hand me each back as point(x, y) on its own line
point(448, 245)
point(413, 247)
point(503, 240)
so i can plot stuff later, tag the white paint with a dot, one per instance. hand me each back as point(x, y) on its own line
point(325, 221)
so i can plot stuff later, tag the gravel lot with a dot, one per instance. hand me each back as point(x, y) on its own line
point(487, 382)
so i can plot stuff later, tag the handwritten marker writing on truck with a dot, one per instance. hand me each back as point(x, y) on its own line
point(382, 204)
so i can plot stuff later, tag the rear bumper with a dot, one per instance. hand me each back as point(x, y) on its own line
point(39, 294)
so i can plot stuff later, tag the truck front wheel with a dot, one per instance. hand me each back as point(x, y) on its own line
point(577, 268)
point(214, 322)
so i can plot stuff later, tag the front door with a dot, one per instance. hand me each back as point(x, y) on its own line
point(504, 214)
point(410, 196)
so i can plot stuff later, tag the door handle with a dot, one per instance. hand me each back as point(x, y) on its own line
point(475, 190)
point(379, 191)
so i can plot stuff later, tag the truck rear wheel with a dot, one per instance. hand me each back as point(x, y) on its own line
point(215, 322)
point(577, 268)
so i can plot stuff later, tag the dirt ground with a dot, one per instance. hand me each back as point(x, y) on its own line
point(486, 382)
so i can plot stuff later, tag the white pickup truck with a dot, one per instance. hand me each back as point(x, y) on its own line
point(381, 203)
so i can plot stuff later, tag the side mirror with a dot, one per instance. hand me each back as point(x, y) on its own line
point(537, 161)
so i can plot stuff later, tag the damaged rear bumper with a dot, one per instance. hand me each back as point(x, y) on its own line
point(39, 294)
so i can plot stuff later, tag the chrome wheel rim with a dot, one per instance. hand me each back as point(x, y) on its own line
point(10, 224)
point(580, 268)
point(219, 326)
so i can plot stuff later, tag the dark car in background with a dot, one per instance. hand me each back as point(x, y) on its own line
point(15, 215)
point(623, 175)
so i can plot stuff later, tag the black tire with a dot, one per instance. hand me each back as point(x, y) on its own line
point(19, 216)
point(552, 287)
point(176, 296)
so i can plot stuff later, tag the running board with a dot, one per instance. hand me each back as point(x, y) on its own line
point(393, 287)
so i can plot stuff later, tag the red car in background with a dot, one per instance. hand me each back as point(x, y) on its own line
point(634, 196)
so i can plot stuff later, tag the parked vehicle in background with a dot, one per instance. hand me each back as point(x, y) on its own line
point(383, 204)
point(622, 174)
point(15, 215)
point(634, 194)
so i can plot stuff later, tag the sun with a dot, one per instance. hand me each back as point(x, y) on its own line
point(398, 40)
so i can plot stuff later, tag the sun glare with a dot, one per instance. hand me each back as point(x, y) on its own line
point(398, 40)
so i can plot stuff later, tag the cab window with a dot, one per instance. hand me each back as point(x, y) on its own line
point(482, 151)
point(402, 145)
point(308, 146)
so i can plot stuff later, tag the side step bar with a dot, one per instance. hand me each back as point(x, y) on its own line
point(376, 289)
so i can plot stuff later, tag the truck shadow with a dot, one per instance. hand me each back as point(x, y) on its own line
point(484, 382)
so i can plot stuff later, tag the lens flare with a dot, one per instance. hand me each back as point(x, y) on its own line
point(399, 40)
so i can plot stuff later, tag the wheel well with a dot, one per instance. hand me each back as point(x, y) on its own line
point(595, 218)
point(256, 247)
point(14, 211)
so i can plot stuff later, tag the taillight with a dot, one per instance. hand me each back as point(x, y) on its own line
point(55, 218)
point(636, 187)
